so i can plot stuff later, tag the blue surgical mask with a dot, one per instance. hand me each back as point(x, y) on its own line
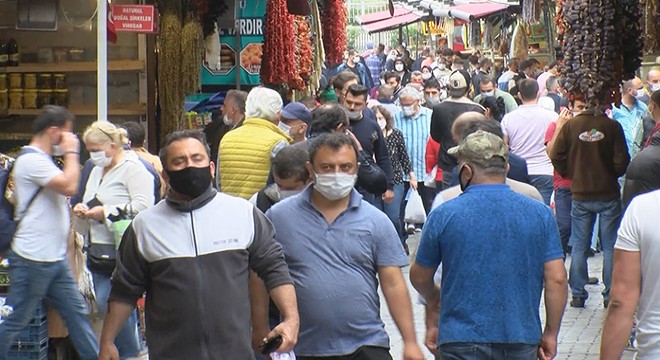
point(488, 93)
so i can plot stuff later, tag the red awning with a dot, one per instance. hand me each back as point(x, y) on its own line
point(475, 11)
point(391, 23)
point(381, 15)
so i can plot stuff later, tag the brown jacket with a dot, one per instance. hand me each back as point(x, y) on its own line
point(591, 150)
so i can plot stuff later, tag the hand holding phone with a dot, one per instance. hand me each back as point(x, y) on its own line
point(270, 345)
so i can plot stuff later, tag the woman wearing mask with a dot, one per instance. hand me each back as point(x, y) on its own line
point(396, 148)
point(427, 73)
point(401, 69)
point(118, 188)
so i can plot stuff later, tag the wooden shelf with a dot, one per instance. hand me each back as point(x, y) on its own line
point(90, 110)
point(69, 67)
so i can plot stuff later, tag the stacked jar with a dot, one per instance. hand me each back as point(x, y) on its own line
point(30, 91)
point(4, 93)
point(60, 91)
point(15, 91)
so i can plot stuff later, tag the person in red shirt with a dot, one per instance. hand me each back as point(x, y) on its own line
point(432, 150)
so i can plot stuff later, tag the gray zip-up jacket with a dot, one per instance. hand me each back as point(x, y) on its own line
point(192, 259)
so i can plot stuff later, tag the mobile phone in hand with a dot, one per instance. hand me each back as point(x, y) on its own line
point(271, 345)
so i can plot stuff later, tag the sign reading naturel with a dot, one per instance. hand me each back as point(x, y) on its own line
point(133, 18)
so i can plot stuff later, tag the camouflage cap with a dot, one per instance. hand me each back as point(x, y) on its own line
point(480, 147)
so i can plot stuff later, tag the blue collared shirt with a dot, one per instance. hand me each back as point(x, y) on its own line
point(375, 66)
point(416, 131)
point(334, 268)
point(632, 121)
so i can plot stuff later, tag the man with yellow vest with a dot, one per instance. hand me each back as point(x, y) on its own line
point(245, 153)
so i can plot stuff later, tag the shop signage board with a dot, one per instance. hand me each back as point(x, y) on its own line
point(133, 18)
point(251, 24)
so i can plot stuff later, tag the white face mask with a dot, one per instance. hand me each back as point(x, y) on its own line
point(356, 59)
point(432, 100)
point(354, 115)
point(287, 193)
point(640, 93)
point(382, 123)
point(227, 120)
point(99, 159)
point(426, 76)
point(443, 94)
point(442, 66)
point(334, 186)
point(654, 87)
point(398, 67)
point(488, 93)
point(408, 111)
point(284, 127)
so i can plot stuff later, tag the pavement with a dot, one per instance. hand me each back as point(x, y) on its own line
point(579, 336)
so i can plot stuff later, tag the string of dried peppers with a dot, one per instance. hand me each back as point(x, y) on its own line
point(278, 61)
point(334, 18)
point(304, 53)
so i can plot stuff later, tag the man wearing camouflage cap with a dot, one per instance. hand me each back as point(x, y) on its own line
point(499, 250)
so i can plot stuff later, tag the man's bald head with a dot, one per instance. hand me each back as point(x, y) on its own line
point(653, 77)
point(462, 122)
point(632, 84)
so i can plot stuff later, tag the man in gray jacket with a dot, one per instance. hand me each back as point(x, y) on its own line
point(192, 254)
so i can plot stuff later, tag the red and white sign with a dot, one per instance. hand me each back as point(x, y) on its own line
point(134, 18)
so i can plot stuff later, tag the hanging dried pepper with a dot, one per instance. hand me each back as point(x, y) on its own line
point(334, 18)
point(304, 53)
point(278, 61)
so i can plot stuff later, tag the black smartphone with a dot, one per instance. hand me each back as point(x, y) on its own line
point(93, 203)
point(271, 345)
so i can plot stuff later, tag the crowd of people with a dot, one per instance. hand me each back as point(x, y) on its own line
point(280, 223)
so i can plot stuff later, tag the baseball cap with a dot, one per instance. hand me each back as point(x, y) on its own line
point(458, 82)
point(296, 110)
point(480, 147)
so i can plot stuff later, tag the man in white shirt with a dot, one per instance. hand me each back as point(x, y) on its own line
point(38, 266)
point(524, 130)
point(635, 282)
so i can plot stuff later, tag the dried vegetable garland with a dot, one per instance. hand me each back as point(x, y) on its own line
point(169, 66)
point(192, 51)
point(319, 51)
point(488, 34)
point(530, 11)
point(651, 26)
point(304, 54)
point(278, 61)
point(600, 48)
point(334, 18)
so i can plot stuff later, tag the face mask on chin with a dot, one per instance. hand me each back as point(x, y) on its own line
point(334, 186)
point(191, 181)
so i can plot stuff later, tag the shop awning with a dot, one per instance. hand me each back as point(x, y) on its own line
point(381, 15)
point(469, 12)
point(391, 23)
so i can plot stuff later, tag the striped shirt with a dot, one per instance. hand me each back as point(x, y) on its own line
point(375, 65)
point(416, 131)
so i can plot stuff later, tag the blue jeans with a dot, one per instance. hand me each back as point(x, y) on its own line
point(474, 351)
point(563, 203)
point(31, 283)
point(544, 184)
point(584, 215)
point(128, 340)
point(393, 209)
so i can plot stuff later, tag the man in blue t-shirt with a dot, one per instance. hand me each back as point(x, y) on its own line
point(495, 258)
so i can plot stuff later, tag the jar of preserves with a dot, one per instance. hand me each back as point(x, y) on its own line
point(30, 99)
point(15, 81)
point(3, 81)
point(29, 81)
point(59, 81)
point(45, 81)
point(16, 98)
point(44, 97)
point(4, 99)
point(61, 97)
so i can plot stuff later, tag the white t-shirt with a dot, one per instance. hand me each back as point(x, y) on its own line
point(44, 229)
point(640, 232)
point(526, 127)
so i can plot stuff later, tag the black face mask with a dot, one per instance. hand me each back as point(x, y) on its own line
point(191, 181)
point(460, 178)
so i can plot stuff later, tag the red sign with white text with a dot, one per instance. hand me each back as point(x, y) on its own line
point(134, 18)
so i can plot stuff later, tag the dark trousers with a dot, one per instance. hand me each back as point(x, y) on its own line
point(363, 353)
point(563, 205)
point(472, 351)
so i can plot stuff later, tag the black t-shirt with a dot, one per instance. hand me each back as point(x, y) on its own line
point(442, 120)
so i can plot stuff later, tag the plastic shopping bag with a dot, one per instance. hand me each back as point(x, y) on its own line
point(414, 212)
point(429, 179)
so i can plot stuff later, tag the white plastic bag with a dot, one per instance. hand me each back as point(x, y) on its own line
point(429, 180)
point(414, 212)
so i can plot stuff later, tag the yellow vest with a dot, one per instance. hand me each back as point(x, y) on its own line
point(245, 155)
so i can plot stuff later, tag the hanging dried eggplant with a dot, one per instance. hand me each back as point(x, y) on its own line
point(169, 66)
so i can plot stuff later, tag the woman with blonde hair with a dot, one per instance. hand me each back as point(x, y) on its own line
point(118, 188)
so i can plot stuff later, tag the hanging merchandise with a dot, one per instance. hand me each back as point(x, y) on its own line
point(530, 11)
point(651, 26)
point(475, 34)
point(488, 34)
point(319, 51)
point(171, 93)
point(334, 17)
point(599, 48)
point(303, 53)
point(192, 51)
point(209, 11)
point(519, 42)
point(278, 61)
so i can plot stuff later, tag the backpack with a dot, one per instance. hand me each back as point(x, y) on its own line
point(7, 223)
